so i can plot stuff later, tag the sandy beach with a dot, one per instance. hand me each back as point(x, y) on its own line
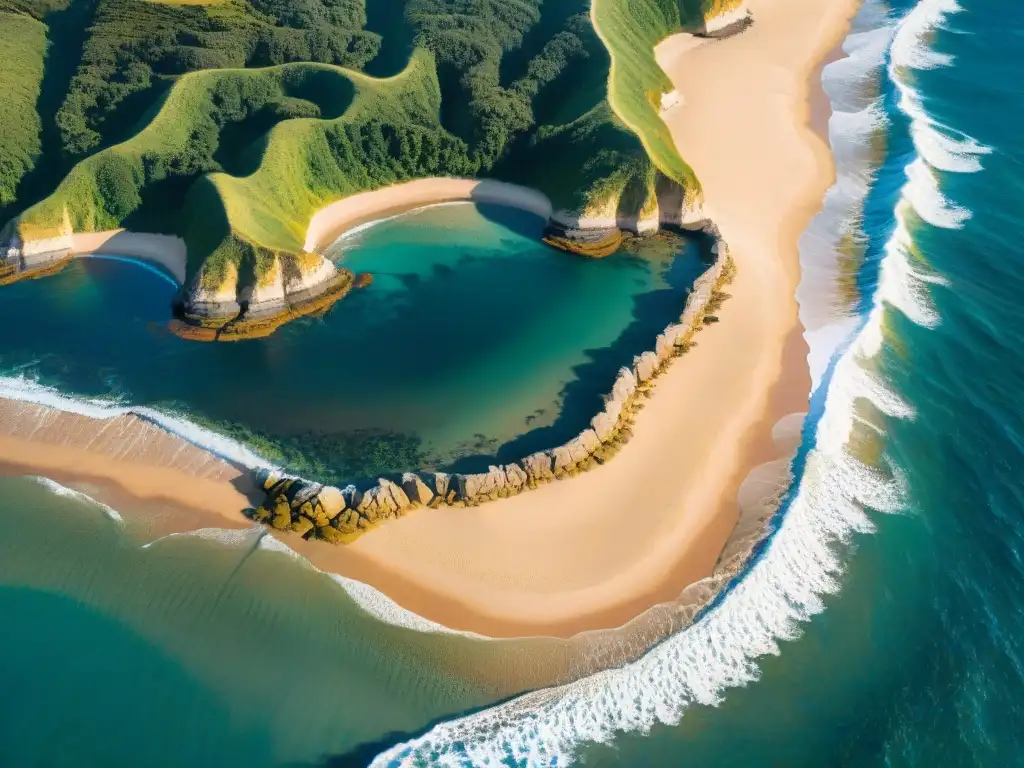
point(331, 221)
point(581, 554)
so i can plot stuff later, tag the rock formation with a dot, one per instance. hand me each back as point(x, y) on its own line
point(336, 515)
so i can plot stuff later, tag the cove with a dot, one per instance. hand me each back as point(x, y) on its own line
point(474, 344)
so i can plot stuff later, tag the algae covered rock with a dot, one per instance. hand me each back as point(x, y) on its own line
point(333, 502)
point(646, 366)
point(302, 526)
point(539, 466)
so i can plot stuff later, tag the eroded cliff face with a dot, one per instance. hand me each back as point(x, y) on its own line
point(727, 17)
point(227, 307)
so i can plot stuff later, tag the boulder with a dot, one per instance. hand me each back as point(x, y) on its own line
point(333, 501)
point(613, 408)
point(515, 477)
point(441, 484)
point(582, 447)
point(396, 498)
point(302, 491)
point(625, 385)
point(604, 426)
point(353, 496)
point(538, 466)
point(663, 348)
point(562, 458)
point(675, 334)
point(646, 364)
point(303, 526)
point(417, 490)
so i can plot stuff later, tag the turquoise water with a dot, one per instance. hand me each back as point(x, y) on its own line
point(880, 625)
point(474, 342)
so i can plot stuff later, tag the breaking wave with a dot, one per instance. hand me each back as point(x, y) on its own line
point(62, 490)
point(30, 391)
point(840, 482)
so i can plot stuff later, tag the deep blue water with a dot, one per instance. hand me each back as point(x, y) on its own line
point(881, 624)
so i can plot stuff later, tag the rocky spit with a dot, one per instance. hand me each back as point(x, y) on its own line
point(335, 514)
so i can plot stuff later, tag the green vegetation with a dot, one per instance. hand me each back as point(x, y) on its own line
point(231, 123)
point(22, 47)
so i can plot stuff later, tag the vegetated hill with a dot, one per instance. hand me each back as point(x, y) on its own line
point(230, 123)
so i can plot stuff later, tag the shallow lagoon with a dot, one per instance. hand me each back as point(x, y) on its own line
point(475, 342)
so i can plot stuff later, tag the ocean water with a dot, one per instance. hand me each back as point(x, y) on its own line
point(474, 343)
point(879, 624)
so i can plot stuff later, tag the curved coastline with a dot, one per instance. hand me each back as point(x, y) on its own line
point(582, 530)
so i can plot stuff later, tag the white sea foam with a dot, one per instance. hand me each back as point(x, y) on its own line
point(148, 267)
point(360, 229)
point(229, 537)
point(29, 391)
point(784, 586)
point(71, 493)
point(370, 600)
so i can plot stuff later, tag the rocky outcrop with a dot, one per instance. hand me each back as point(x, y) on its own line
point(229, 312)
point(728, 23)
point(595, 242)
point(336, 515)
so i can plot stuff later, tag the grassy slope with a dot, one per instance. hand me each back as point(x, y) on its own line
point(22, 49)
point(243, 221)
point(630, 29)
point(265, 213)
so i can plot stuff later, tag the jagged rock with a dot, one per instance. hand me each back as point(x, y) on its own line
point(306, 510)
point(604, 426)
point(282, 522)
point(397, 500)
point(383, 500)
point(663, 348)
point(562, 458)
point(353, 496)
point(646, 364)
point(417, 490)
point(441, 484)
point(347, 521)
point(302, 491)
point(515, 477)
point(675, 334)
point(580, 448)
point(625, 385)
point(333, 501)
point(468, 486)
point(538, 466)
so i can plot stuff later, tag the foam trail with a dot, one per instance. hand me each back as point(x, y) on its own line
point(29, 391)
point(370, 600)
point(827, 298)
point(362, 228)
point(163, 274)
point(71, 493)
point(784, 585)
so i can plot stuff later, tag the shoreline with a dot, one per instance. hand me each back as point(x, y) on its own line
point(574, 555)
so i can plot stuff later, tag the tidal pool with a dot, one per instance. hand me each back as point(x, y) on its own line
point(474, 343)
